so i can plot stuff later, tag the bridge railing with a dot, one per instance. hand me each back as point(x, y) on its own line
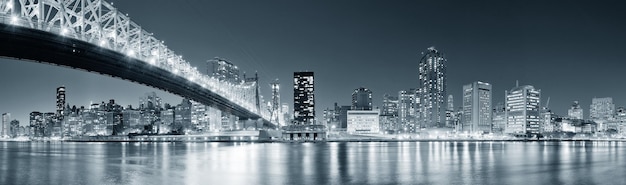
point(99, 23)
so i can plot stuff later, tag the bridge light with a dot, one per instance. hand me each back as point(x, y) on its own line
point(9, 5)
point(175, 71)
point(102, 43)
point(64, 31)
point(131, 53)
point(14, 19)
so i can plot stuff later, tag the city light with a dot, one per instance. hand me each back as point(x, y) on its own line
point(64, 31)
point(14, 19)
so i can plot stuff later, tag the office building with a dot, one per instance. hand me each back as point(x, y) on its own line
point(363, 122)
point(477, 107)
point(303, 98)
point(450, 112)
point(275, 107)
point(498, 119)
point(602, 110)
point(575, 112)
point(522, 110)
point(432, 84)
point(4, 128)
point(362, 99)
point(60, 103)
point(223, 70)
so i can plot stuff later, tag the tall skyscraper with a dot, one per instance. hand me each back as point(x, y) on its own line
point(362, 99)
point(522, 110)
point(60, 103)
point(432, 83)
point(408, 112)
point(6, 121)
point(498, 118)
point(390, 105)
point(223, 70)
point(275, 107)
point(450, 112)
point(477, 107)
point(303, 98)
point(575, 112)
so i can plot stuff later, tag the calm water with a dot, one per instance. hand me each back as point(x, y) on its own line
point(314, 163)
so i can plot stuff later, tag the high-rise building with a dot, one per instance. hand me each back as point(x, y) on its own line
point(432, 83)
point(199, 117)
point(223, 70)
point(601, 109)
point(60, 103)
point(275, 107)
point(36, 125)
point(303, 98)
point(362, 99)
point(182, 117)
point(14, 129)
point(390, 105)
point(498, 119)
point(575, 112)
point(522, 110)
point(450, 112)
point(477, 107)
point(4, 130)
point(408, 112)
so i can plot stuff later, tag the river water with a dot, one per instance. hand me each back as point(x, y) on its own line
point(313, 163)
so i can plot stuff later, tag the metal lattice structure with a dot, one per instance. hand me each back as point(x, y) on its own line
point(99, 23)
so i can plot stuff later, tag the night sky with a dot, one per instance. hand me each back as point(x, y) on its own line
point(571, 50)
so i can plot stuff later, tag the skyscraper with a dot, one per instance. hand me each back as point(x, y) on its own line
point(432, 84)
point(6, 121)
point(362, 99)
point(575, 112)
point(522, 110)
point(450, 112)
point(60, 103)
point(408, 113)
point(303, 98)
point(477, 107)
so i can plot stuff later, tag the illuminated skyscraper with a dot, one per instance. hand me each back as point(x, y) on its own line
point(362, 99)
point(575, 112)
point(60, 103)
point(432, 83)
point(6, 121)
point(450, 112)
point(522, 110)
point(303, 98)
point(601, 111)
point(477, 107)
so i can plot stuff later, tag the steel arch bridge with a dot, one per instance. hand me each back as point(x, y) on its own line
point(92, 35)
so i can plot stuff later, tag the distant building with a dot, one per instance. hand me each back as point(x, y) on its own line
point(408, 112)
point(4, 130)
point(575, 112)
point(498, 119)
point(602, 110)
point(450, 112)
point(342, 116)
point(389, 113)
point(223, 70)
point(477, 107)
point(14, 129)
point(60, 103)
point(362, 99)
point(36, 125)
point(199, 117)
point(363, 121)
point(522, 110)
point(304, 99)
point(182, 117)
point(432, 84)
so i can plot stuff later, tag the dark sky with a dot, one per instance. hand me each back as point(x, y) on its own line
point(571, 50)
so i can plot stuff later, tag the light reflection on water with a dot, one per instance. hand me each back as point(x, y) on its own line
point(313, 163)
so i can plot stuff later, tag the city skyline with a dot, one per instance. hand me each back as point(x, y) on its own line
point(569, 48)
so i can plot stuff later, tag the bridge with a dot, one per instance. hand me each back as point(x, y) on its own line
point(92, 35)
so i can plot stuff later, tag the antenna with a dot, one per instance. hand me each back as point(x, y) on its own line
point(548, 102)
point(516, 83)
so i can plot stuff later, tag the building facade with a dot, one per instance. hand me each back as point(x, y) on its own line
point(363, 122)
point(362, 99)
point(522, 110)
point(223, 70)
point(477, 107)
point(432, 83)
point(601, 111)
point(303, 98)
point(575, 112)
point(4, 128)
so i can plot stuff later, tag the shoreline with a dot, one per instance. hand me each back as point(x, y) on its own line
point(319, 141)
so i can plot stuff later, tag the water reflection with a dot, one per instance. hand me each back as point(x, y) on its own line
point(313, 163)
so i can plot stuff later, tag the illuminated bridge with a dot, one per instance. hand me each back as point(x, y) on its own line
point(92, 35)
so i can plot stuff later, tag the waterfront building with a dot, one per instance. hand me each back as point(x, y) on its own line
point(14, 129)
point(498, 118)
point(182, 117)
point(363, 121)
point(275, 107)
point(477, 107)
point(4, 128)
point(601, 111)
point(450, 112)
point(408, 111)
point(432, 84)
point(522, 110)
point(304, 99)
point(362, 99)
point(575, 112)
point(389, 114)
